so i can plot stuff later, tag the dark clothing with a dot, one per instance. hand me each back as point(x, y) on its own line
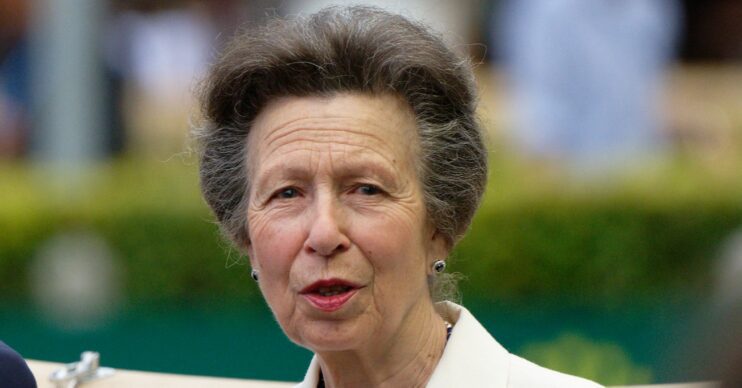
point(14, 372)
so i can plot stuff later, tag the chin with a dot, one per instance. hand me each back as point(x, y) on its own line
point(329, 336)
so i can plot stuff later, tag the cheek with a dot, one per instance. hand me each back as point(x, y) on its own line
point(275, 246)
point(274, 241)
point(400, 279)
point(395, 247)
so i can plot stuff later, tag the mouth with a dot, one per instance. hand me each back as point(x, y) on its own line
point(329, 294)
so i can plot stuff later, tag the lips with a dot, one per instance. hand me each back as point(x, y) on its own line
point(329, 294)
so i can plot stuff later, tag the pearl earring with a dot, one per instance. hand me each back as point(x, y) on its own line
point(439, 266)
point(254, 274)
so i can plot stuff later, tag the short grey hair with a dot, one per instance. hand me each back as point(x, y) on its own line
point(354, 49)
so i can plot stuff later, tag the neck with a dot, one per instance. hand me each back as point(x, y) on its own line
point(404, 359)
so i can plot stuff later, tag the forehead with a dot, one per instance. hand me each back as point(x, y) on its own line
point(383, 125)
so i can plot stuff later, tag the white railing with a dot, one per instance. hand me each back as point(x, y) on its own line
point(128, 378)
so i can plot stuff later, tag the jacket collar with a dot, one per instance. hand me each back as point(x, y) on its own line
point(471, 354)
point(311, 378)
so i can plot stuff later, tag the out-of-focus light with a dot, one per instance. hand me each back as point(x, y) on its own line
point(75, 280)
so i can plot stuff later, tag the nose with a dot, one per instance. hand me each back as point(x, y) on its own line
point(327, 229)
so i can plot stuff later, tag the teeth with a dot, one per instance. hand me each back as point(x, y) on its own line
point(332, 290)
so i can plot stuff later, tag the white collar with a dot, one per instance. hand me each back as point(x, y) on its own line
point(471, 354)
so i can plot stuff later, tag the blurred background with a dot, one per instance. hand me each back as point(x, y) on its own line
point(609, 244)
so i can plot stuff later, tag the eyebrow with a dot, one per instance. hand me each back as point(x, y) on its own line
point(353, 169)
point(366, 168)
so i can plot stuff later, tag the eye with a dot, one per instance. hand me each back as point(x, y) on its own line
point(286, 193)
point(368, 189)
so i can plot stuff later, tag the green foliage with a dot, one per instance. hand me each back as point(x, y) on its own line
point(605, 247)
point(604, 362)
point(532, 236)
point(151, 215)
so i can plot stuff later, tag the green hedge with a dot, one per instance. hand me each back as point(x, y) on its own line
point(605, 248)
point(527, 240)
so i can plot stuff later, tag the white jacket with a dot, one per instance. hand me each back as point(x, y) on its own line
point(472, 358)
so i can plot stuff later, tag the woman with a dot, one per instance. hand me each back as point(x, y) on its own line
point(341, 152)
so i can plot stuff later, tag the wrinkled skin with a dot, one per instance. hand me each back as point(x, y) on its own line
point(335, 194)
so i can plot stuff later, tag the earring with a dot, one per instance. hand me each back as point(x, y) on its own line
point(254, 274)
point(439, 266)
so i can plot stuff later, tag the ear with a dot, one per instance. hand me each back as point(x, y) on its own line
point(249, 251)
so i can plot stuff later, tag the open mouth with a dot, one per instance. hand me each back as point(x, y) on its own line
point(333, 290)
point(329, 295)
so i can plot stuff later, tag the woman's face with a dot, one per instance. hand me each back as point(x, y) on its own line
point(337, 223)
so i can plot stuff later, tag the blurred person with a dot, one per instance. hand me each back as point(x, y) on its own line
point(714, 350)
point(585, 75)
point(724, 349)
point(158, 50)
point(14, 77)
point(22, 67)
point(341, 152)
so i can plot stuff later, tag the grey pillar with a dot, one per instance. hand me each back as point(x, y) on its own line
point(67, 83)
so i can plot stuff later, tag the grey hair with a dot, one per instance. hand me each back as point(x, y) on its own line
point(353, 49)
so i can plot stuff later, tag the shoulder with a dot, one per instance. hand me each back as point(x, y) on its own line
point(14, 372)
point(523, 373)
